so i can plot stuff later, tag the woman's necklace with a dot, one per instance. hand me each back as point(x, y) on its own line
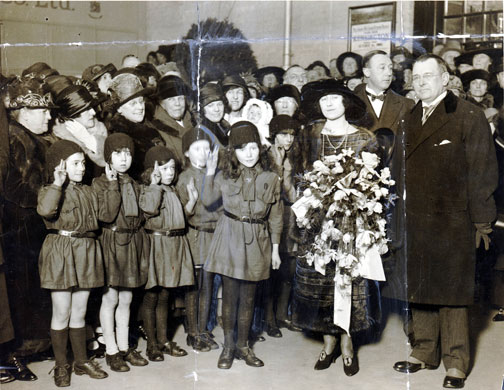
point(347, 130)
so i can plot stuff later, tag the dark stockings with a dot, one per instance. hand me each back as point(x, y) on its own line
point(278, 288)
point(155, 315)
point(238, 300)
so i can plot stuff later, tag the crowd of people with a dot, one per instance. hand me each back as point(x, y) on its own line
point(129, 196)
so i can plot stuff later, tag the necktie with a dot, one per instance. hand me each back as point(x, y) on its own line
point(426, 113)
point(374, 97)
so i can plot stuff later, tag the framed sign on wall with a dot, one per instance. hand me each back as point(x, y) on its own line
point(371, 27)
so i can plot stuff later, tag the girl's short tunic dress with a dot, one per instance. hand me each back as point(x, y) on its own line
point(71, 256)
point(251, 223)
point(203, 219)
point(124, 242)
point(170, 261)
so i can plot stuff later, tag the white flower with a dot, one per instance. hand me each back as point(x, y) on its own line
point(370, 160)
point(378, 208)
point(337, 169)
point(339, 195)
point(321, 167)
point(307, 193)
point(364, 239)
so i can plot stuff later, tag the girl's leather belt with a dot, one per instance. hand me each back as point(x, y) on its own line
point(72, 234)
point(166, 233)
point(245, 218)
point(202, 229)
point(117, 229)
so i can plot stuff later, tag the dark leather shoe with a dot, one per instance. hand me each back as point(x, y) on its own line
point(133, 357)
point(6, 377)
point(226, 358)
point(499, 316)
point(353, 368)
point(247, 354)
point(209, 340)
point(171, 348)
point(289, 325)
point(197, 343)
point(62, 375)
point(325, 360)
point(116, 362)
point(273, 331)
point(154, 354)
point(91, 368)
point(409, 368)
point(451, 382)
point(20, 372)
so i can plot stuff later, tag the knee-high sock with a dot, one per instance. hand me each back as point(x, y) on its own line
point(78, 341)
point(191, 303)
point(122, 326)
point(230, 296)
point(107, 320)
point(59, 339)
point(205, 299)
point(245, 311)
point(162, 315)
point(149, 304)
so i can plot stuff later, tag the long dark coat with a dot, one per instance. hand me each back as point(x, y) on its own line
point(451, 173)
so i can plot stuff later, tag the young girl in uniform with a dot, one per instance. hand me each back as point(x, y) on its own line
point(246, 239)
point(170, 261)
point(70, 262)
point(201, 222)
point(125, 252)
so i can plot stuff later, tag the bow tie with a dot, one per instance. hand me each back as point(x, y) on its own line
point(374, 97)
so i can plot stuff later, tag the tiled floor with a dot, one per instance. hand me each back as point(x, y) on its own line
point(289, 365)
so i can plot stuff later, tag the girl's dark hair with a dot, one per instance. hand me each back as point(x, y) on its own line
point(231, 166)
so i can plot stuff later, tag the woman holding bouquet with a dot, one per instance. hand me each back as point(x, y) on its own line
point(332, 131)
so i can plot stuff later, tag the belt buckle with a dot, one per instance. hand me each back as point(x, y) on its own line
point(65, 233)
point(246, 218)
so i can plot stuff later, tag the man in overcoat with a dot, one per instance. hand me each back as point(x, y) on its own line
point(451, 174)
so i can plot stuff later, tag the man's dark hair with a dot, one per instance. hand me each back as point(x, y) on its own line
point(371, 54)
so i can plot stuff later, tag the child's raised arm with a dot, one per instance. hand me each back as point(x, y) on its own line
point(49, 196)
point(211, 193)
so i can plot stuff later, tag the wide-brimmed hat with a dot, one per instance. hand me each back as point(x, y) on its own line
point(351, 54)
point(451, 45)
point(211, 92)
point(55, 84)
point(285, 90)
point(275, 70)
point(27, 92)
point(474, 74)
point(282, 124)
point(39, 70)
point(171, 86)
point(126, 87)
point(314, 91)
point(145, 70)
point(74, 100)
point(467, 57)
point(94, 72)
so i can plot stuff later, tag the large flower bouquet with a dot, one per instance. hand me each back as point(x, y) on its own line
point(343, 208)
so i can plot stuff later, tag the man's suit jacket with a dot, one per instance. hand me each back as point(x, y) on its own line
point(451, 174)
point(395, 107)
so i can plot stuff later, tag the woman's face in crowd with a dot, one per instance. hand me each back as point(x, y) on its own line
point(134, 110)
point(478, 87)
point(214, 111)
point(104, 82)
point(175, 106)
point(167, 172)
point(248, 154)
point(87, 118)
point(349, 66)
point(254, 114)
point(252, 92)
point(285, 106)
point(198, 153)
point(269, 81)
point(75, 167)
point(37, 119)
point(500, 79)
point(121, 160)
point(284, 140)
point(235, 97)
point(352, 83)
point(481, 61)
point(332, 106)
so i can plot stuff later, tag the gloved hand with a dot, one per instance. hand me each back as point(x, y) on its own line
point(483, 229)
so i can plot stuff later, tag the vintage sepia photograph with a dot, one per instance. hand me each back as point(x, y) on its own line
point(214, 195)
